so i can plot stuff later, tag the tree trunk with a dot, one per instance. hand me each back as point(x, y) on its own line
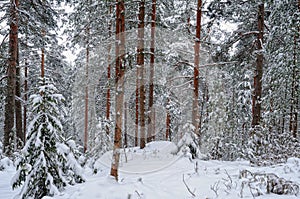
point(256, 99)
point(86, 108)
point(195, 111)
point(9, 119)
point(140, 63)
point(108, 73)
point(43, 59)
point(295, 87)
point(25, 98)
point(18, 108)
point(120, 71)
point(168, 123)
point(137, 109)
point(151, 129)
point(125, 126)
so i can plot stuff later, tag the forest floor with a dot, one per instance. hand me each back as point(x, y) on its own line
point(154, 173)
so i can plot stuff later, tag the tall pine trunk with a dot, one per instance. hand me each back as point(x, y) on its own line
point(18, 110)
point(108, 73)
point(151, 129)
point(86, 98)
point(120, 71)
point(9, 120)
point(256, 99)
point(140, 65)
point(25, 98)
point(195, 111)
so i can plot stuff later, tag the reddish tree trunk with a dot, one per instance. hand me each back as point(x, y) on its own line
point(195, 111)
point(137, 109)
point(108, 74)
point(120, 71)
point(9, 119)
point(151, 129)
point(256, 99)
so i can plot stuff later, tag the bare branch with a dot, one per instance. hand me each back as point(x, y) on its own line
point(2, 78)
point(192, 193)
point(215, 188)
point(3, 40)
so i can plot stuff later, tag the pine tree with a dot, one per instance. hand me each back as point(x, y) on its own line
point(9, 122)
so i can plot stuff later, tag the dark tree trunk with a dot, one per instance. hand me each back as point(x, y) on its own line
point(256, 99)
point(140, 63)
point(137, 109)
point(18, 109)
point(25, 99)
point(168, 124)
point(295, 88)
point(9, 119)
point(151, 129)
point(195, 111)
point(125, 126)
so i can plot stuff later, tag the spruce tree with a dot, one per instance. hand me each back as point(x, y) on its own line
point(46, 164)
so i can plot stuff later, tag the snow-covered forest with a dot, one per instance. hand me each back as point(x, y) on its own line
point(149, 99)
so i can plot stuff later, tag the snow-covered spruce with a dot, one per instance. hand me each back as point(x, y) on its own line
point(189, 143)
point(102, 144)
point(47, 164)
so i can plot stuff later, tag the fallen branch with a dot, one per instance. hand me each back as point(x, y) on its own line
point(187, 186)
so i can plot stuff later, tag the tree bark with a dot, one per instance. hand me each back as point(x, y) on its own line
point(256, 99)
point(86, 99)
point(120, 71)
point(9, 119)
point(295, 88)
point(43, 58)
point(168, 123)
point(108, 74)
point(18, 110)
point(151, 129)
point(25, 98)
point(140, 63)
point(195, 111)
point(125, 126)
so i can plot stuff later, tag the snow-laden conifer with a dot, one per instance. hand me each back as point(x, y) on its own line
point(47, 163)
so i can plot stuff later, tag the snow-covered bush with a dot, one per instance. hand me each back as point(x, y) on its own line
point(102, 143)
point(261, 183)
point(46, 163)
point(189, 143)
point(267, 147)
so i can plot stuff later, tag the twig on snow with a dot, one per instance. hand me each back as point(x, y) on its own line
point(193, 194)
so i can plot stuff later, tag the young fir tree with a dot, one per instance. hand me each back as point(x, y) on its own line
point(47, 163)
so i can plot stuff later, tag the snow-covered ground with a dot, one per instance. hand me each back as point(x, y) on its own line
point(154, 173)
